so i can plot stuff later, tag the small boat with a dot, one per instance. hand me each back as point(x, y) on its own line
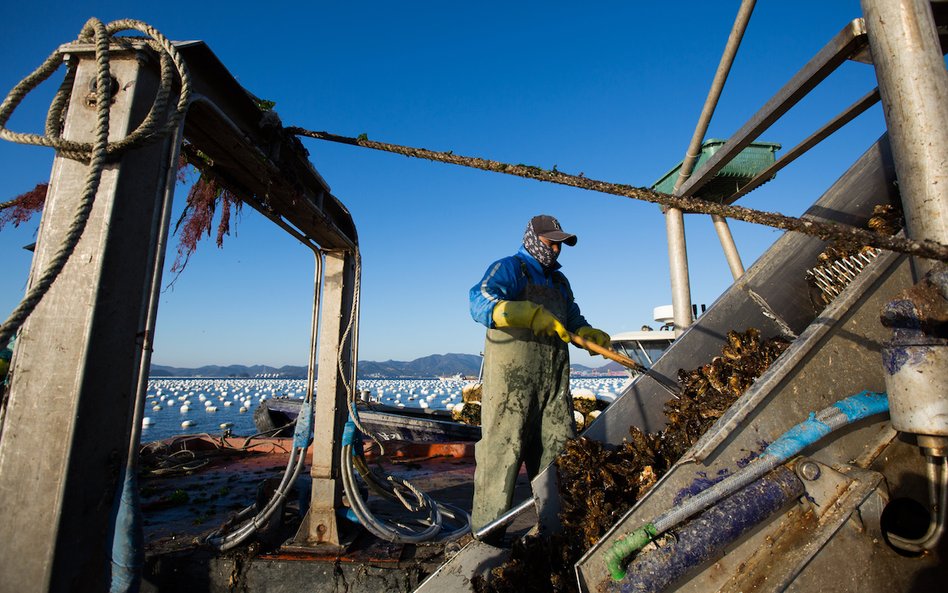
point(277, 416)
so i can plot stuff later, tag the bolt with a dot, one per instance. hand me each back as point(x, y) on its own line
point(809, 470)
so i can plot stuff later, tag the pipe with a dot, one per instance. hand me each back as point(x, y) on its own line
point(302, 434)
point(913, 84)
point(727, 244)
point(678, 269)
point(504, 519)
point(128, 543)
point(674, 220)
point(938, 499)
point(708, 534)
point(844, 412)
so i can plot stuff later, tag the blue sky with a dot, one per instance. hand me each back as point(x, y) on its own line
point(609, 89)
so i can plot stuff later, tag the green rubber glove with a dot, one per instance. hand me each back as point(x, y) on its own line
point(528, 315)
point(596, 336)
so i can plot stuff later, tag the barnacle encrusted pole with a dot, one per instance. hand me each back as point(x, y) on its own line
point(824, 230)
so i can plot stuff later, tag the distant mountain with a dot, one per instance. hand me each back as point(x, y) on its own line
point(436, 365)
point(230, 371)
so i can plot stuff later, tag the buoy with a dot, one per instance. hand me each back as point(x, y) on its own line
point(156, 408)
point(147, 421)
point(187, 423)
point(210, 409)
point(185, 409)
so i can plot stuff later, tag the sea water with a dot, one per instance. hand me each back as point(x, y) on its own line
point(181, 406)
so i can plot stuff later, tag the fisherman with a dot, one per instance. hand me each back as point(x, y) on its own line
point(526, 411)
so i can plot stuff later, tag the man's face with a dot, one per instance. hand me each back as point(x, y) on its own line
point(554, 245)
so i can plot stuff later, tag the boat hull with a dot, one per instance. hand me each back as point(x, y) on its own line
point(276, 418)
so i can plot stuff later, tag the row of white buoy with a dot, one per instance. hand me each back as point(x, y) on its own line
point(215, 394)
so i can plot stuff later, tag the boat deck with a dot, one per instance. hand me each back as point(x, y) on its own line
point(200, 482)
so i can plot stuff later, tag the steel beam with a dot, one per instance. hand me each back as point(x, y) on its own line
point(67, 428)
point(321, 525)
point(846, 43)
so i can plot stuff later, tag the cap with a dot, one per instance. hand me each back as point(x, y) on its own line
point(548, 227)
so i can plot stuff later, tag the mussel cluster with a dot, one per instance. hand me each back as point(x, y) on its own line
point(598, 484)
point(469, 413)
point(709, 390)
point(585, 409)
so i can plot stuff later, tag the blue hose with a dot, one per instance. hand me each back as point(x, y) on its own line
point(815, 427)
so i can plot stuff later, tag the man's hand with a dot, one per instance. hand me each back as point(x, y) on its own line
point(529, 315)
point(596, 336)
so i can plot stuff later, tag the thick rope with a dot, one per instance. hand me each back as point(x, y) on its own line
point(99, 150)
point(826, 231)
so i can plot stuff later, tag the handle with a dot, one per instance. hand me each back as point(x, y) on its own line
point(607, 353)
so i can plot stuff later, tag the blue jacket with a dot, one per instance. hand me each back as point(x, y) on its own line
point(505, 281)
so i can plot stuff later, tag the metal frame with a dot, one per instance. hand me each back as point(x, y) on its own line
point(67, 429)
point(83, 354)
point(848, 42)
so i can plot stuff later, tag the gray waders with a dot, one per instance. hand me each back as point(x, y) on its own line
point(526, 410)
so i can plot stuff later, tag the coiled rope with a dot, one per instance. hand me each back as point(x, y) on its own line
point(156, 125)
point(826, 231)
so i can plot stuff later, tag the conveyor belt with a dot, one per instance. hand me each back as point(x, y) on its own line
point(835, 353)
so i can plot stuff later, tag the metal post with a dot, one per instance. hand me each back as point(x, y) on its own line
point(674, 221)
point(67, 428)
point(678, 269)
point(331, 413)
point(913, 84)
point(727, 244)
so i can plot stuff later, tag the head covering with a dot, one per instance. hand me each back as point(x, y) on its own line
point(549, 228)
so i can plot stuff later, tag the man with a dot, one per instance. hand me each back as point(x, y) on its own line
point(526, 411)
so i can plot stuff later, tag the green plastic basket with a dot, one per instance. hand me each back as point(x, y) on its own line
point(742, 168)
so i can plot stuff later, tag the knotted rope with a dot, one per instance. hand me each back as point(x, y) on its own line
point(155, 125)
point(826, 231)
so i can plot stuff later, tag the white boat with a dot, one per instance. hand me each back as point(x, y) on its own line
point(646, 345)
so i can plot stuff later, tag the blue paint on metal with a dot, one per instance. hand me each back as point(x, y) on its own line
point(348, 433)
point(128, 540)
point(303, 433)
point(893, 358)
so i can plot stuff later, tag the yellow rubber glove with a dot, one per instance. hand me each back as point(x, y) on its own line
point(529, 315)
point(596, 336)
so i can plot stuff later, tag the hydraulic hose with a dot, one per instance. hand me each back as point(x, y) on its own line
point(844, 412)
point(302, 438)
point(393, 489)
